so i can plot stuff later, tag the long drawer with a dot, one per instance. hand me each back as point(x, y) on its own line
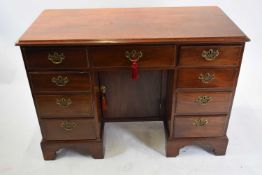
point(121, 56)
point(206, 78)
point(68, 129)
point(199, 126)
point(203, 102)
point(55, 106)
point(60, 82)
point(213, 55)
point(37, 58)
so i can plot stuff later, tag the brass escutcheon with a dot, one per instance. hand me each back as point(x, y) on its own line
point(68, 126)
point(206, 77)
point(200, 122)
point(133, 55)
point(63, 102)
point(210, 55)
point(60, 81)
point(56, 58)
point(203, 99)
point(103, 89)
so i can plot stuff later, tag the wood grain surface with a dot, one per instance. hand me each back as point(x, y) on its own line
point(132, 25)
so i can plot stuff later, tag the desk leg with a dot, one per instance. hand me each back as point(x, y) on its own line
point(94, 148)
point(216, 144)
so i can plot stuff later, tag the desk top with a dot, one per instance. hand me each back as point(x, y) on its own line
point(132, 25)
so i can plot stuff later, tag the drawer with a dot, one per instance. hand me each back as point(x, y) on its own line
point(60, 82)
point(200, 126)
point(54, 106)
point(118, 56)
point(56, 58)
point(69, 129)
point(206, 78)
point(210, 55)
point(202, 102)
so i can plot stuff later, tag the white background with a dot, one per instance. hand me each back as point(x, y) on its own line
point(131, 148)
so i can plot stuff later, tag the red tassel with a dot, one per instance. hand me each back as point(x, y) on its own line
point(104, 103)
point(134, 70)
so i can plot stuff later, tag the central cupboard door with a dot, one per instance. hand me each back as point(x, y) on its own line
point(129, 99)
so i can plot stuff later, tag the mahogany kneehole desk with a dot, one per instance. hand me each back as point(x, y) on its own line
point(176, 65)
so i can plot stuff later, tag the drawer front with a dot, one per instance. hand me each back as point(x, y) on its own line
point(54, 106)
point(200, 126)
point(60, 82)
point(202, 102)
point(210, 55)
point(71, 129)
point(206, 78)
point(56, 58)
point(118, 56)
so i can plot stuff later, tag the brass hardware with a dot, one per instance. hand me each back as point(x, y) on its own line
point(56, 58)
point(68, 126)
point(60, 81)
point(206, 77)
point(200, 122)
point(63, 102)
point(133, 55)
point(210, 55)
point(203, 100)
point(103, 89)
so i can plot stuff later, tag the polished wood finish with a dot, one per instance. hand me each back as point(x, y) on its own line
point(73, 58)
point(217, 145)
point(53, 129)
point(80, 76)
point(222, 78)
point(185, 126)
point(89, 147)
point(228, 55)
point(186, 102)
point(78, 106)
point(125, 96)
point(115, 56)
point(77, 82)
point(132, 25)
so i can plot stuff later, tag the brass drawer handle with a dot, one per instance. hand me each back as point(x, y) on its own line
point(133, 55)
point(200, 122)
point(60, 81)
point(210, 55)
point(68, 126)
point(202, 100)
point(56, 58)
point(63, 102)
point(206, 77)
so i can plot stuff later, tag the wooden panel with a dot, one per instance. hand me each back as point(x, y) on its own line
point(132, 99)
point(206, 78)
point(54, 106)
point(53, 129)
point(186, 126)
point(132, 25)
point(192, 55)
point(187, 102)
point(69, 58)
point(115, 56)
point(43, 82)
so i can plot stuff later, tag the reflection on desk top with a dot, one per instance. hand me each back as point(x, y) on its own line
point(132, 25)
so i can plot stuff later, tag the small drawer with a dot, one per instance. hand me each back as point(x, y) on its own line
point(55, 106)
point(68, 129)
point(202, 102)
point(206, 78)
point(37, 58)
point(200, 126)
point(60, 82)
point(120, 56)
point(210, 55)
